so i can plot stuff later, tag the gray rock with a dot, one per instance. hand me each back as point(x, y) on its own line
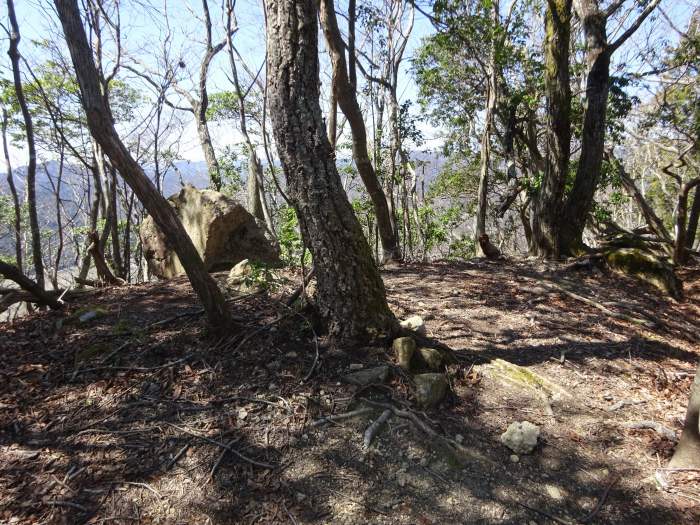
point(414, 323)
point(221, 229)
point(404, 348)
point(521, 437)
point(367, 377)
point(430, 389)
point(431, 358)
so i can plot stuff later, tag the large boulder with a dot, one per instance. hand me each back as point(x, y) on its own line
point(222, 231)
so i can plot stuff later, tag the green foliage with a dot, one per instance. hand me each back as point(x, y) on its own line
point(231, 171)
point(261, 277)
point(289, 237)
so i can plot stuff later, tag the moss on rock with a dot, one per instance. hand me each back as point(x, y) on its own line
point(642, 265)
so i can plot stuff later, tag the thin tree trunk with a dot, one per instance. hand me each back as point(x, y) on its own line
point(546, 223)
point(29, 130)
point(687, 453)
point(680, 251)
point(114, 224)
point(345, 93)
point(492, 88)
point(94, 217)
point(101, 125)
point(653, 221)
point(350, 289)
point(13, 191)
point(691, 230)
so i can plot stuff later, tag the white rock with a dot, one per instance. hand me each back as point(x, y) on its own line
point(521, 437)
point(415, 323)
point(514, 458)
point(459, 438)
point(554, 492)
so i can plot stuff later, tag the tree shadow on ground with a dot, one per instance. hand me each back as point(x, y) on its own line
point(114, 421)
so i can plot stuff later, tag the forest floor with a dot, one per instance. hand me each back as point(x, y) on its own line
point(136, 415)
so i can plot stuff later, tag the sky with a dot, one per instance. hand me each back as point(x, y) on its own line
point(144, 28)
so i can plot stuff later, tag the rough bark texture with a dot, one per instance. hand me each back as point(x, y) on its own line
point(29, 131)
point(102, 128)
point(580, 199)
point(350, 290)
point(345, 94)
point(687, 454)
point(547, 210)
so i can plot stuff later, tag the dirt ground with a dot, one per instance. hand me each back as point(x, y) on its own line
point(138, 415)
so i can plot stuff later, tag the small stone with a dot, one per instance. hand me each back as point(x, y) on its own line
point(356, 366)
point(554, 492)
point(239, 272)
point(459, 438)
point(414, 323)
point(521, 437)
point(431, 357)
point(514, 458)
point(242, 413)
point(404, 348)
point(87, 316)
point(367, 377)
point(430, 389)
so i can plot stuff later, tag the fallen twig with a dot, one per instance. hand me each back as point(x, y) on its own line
point(346, 415)
point(372, 430)
point(624, 403)
point(144, 486)
point(177, 456)
point(601, 501)
point(656, 427)
point(62, 503)
point(222, 445)
point(599, 306)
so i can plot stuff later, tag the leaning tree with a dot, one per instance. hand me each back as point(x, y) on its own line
point(101, 124)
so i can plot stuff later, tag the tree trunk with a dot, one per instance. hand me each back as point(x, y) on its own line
point(104, 272)
point(691, 230)
point(598, 52)
point(546, 217)
point(687, 454)
point(482, 204)
point(101, 126)
point(580, 199)
point(208, 147)
point(680, 252)
point(42, 297)
point(114, 225)
point(345, 93)
point(13, 191)
point(653, 221)
point(29, 130)
point(350, 289)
